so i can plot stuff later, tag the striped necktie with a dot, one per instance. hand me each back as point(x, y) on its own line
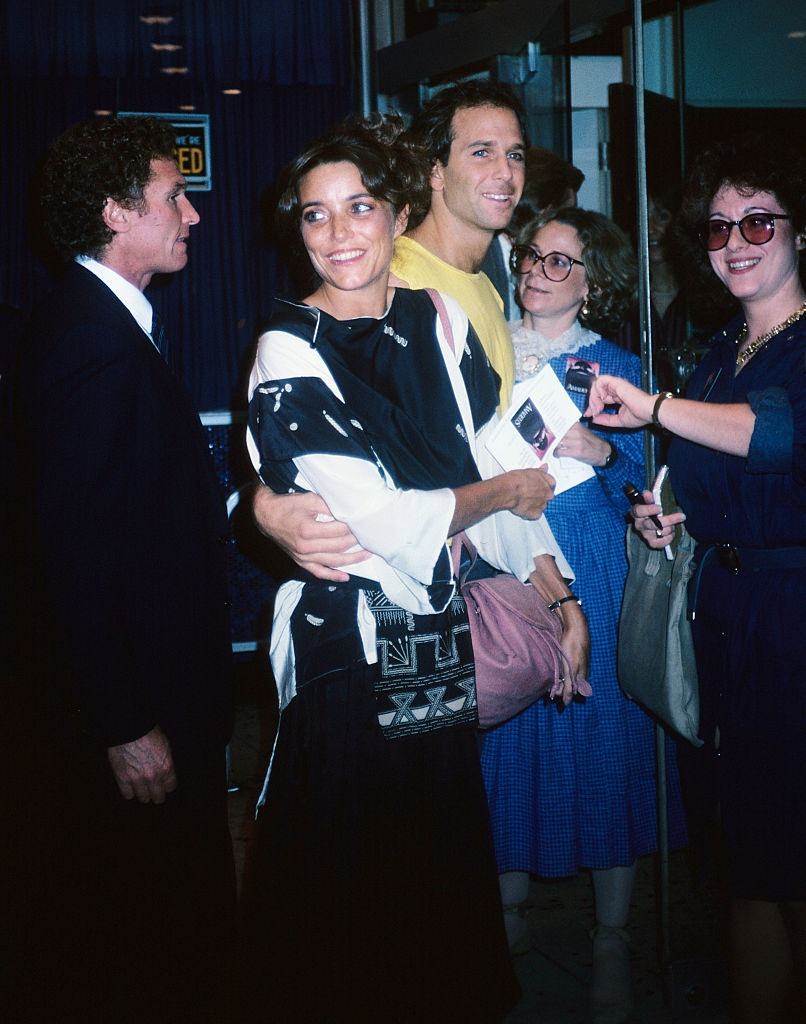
point(158, 334)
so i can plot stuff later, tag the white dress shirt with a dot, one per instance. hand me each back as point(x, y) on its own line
point(131, 297)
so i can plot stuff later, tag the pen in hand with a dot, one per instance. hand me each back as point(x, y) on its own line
point(635, 497)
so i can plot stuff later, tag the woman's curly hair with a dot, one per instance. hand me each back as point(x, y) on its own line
point(91, 162)
point(752, 162)
point(610, 265)
point(391, 168)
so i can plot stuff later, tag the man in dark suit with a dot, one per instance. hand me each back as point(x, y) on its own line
point(131, 891)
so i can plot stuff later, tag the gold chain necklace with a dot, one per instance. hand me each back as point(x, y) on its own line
point(761, 341)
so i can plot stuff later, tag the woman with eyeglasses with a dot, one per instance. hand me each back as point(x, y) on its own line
point(738, 468)
point(576, 269)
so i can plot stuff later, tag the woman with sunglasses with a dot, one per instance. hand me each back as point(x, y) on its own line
point(576, 269)
point(738, 467)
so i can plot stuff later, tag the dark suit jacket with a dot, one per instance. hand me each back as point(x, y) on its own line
point(129, 526)
point(496, 268)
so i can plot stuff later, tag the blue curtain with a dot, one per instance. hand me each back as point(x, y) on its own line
point(65, 58)
point(285, 42)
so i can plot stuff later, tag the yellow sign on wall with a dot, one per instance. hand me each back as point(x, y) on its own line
point(192, 146)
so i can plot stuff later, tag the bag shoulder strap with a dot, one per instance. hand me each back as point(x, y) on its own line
point(444, 319)
point(459, 541)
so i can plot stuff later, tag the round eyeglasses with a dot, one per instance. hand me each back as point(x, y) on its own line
point(556, 266)
point(756, 228)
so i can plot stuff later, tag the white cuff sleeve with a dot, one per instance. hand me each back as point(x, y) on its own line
point(407, 529)
point(511, 544)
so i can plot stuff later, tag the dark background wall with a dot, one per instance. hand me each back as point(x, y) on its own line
point(63, 59)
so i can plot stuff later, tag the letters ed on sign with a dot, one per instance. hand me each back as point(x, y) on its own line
point(192, 146)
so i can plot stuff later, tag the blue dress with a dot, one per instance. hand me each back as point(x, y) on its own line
point(748, 632)
point(575, 788)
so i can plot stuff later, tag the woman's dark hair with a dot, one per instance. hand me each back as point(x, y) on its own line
point(752, 162)
point(90, 162)
point(390, 167)
point(610, 264)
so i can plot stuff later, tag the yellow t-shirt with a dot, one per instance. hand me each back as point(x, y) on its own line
point(420, 268)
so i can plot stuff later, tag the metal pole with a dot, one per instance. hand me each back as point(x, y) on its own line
point(368, 101)
point(644, 300)
point(569, 114)
point(680, 78)
point(645, 307)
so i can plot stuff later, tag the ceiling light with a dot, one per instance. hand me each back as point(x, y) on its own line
point(796, 35)
point(174, 71)
point(102, 113)
point(231, 92)
point(187, 107)
point(166, 47)
point(156, 19)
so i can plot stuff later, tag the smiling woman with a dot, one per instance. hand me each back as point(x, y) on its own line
point(374, 848)
point(349, 236)
point(738, 466)
point(750, 248)
point(390, 180)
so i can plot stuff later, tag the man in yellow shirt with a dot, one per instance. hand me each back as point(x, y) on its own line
point(474, 136)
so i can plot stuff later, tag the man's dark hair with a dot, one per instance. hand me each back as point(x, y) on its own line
point(93, 161)
point(432, 127)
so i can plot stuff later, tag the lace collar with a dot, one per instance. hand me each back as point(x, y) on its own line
point(534, 349)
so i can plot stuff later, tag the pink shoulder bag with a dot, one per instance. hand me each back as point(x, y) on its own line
point(516, 639)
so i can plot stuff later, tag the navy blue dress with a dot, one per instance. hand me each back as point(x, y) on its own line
point(576, 788)
point(749, 634)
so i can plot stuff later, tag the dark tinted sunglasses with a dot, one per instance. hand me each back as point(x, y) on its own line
point(756, 228)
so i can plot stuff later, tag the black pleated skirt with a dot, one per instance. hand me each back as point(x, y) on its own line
point(373, 894)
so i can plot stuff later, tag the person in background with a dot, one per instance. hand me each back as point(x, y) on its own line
point(664, 285)
point(551, 183)
point(374, 856)
point(576, 269)
point(129, 913)
point(674, 359)
point(738, 468)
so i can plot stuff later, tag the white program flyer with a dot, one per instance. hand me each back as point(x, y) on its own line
point(540, 415)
